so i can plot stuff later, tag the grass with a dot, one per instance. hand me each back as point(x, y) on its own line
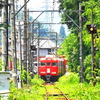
point(68, 84)
point(80, 91)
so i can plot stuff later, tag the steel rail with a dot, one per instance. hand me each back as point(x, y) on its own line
point(59, 92)
point(63, 94)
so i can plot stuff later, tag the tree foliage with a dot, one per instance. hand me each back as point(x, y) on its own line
point(89, 15)
point(70, 49)
point(69, 7)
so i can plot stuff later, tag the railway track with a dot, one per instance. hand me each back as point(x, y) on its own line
point(54, 93)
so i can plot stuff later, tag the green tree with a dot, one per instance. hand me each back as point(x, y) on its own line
point(70, 49)
point(72, 5)
point(91, 15)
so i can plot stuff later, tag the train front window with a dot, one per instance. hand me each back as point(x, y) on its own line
point(55, 64)
point(48, 63)
point(42, 64)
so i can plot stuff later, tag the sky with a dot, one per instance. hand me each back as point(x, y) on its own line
point(41, 5)
point(45, 17)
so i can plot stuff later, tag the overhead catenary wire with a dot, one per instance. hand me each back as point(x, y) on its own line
point(52, 14)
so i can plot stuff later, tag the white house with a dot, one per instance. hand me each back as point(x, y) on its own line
point(45, 46)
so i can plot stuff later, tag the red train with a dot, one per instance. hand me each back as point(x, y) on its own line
point(52, 67)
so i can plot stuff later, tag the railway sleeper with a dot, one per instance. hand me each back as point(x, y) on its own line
point(56, 94)
point(57, 97)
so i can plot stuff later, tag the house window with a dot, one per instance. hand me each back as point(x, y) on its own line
point(49, 50)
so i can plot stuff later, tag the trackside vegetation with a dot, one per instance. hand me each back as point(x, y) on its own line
point(71, 45)
point(68, 84)
point(80, 91)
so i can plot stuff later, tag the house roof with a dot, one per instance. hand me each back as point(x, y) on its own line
point(45, 43)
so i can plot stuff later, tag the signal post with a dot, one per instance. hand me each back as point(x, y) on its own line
point(93, 31)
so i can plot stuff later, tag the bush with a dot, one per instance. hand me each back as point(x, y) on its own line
point(79, 91)
point(70, 79)
point(29, 92)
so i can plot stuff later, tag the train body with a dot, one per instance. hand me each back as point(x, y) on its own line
point(52, 67)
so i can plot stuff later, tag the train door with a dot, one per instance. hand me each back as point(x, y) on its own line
point(61, 66)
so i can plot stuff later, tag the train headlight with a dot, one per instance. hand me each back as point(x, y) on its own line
point(42, 72)
point(53, 72)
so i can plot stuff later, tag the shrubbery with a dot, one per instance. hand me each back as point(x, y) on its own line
point(68, 84)
point(80, 91)
point(28, 92)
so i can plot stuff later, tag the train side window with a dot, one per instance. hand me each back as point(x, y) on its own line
point(48, 63)
point(42, 64)
point(54, 64)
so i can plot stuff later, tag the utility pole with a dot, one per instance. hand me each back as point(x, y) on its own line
point(28, 50)
point(7, 32)
point(4, 39)
point(25, 42)
point(38, 54)
point(20, 51)
point(32, 51)
point(28, 68)
point(80, 32)
point(13, 44)
point(56, 42)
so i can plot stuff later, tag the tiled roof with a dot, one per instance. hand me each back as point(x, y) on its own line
point(45, 44)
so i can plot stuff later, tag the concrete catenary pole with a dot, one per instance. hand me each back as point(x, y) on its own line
point(4, 39)
point(28, 55)
point(7, 32)
point(31, 51)
point(38, 48)
point(25, 42)
point(20, 46)
point(13, 44)
point(81, 55)
point(28, 49)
